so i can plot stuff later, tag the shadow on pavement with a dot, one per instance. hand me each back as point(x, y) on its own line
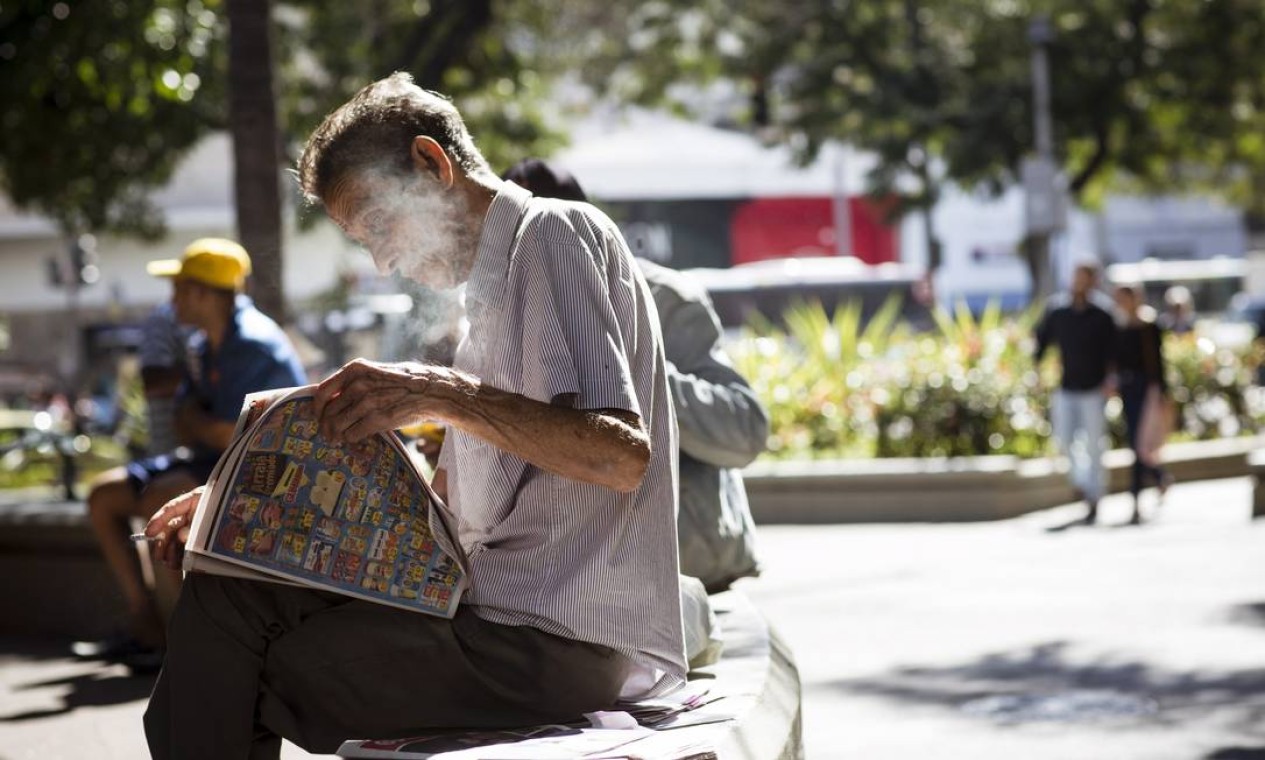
point(1041, 684)
point(1237, 753)
point(91, 685)
point(1079, 522)
point(1252, 613)
point(33, 649)
point(87, 690)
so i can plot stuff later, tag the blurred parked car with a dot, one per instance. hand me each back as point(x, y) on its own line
point(768, 288)
point(1241, 323)
point(1212, 283)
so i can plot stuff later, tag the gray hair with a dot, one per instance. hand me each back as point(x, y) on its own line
point(376, 128)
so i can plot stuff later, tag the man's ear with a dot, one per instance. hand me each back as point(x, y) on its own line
point(430, 158)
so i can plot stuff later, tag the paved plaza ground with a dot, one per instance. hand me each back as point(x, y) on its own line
point(1009, 639)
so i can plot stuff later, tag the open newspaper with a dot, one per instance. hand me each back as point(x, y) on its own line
point(283, 504)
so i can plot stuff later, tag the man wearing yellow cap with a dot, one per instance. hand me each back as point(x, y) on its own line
point(240, 350)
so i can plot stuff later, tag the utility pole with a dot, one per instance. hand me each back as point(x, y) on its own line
point(839, 207)
point(1044, 207)
point(72, 269)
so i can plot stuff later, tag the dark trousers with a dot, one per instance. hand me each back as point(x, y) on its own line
point(250, 662)
point(1133, 398)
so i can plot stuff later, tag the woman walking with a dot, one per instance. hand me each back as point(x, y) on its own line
point(1143, 390)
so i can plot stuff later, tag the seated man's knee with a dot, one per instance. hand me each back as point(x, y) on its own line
point(162, 490)
point(111, 493)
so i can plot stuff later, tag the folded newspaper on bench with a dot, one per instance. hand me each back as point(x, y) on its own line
point(647, 731)
point(555, 742)
point(283, 504)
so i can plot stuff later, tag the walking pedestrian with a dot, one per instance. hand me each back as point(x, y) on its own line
point(1143, 391)
point(1080, 324)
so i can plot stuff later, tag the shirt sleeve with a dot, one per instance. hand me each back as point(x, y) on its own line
point(721, 422)
point(161, 341)
point(257, 370)
point(577, 306)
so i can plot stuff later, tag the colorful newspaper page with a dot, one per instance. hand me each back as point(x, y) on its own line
point(355, 519)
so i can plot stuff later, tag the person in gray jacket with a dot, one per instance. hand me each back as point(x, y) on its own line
point(722, 425)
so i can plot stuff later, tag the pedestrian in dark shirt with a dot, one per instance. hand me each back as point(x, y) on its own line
point(1081, 326)
point(1143, 389)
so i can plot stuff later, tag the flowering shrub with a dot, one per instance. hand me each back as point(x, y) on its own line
point(1214, 388)
point(835, 388)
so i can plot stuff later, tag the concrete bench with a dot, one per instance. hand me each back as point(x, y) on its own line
point(52, 572)
point(758, 676)
point(758, 713)
point(52, 577)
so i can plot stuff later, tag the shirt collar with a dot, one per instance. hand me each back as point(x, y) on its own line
point(496, 242)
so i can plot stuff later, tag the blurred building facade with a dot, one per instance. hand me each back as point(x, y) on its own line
point(686, 194)
point(691, 195)
point(52, 332)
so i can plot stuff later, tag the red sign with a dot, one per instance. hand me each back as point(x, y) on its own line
point(774, 228)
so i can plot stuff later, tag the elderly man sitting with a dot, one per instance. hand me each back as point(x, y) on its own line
point(559, 464)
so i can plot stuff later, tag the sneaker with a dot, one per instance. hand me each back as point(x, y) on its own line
point(110, 649)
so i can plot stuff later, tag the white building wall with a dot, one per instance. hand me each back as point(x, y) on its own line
point(197, 203)
point(41, 330)
point(313, 260)
point(1171, 227)
point(981, 239)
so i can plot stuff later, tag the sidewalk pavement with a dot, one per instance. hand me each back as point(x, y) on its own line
point(1009, 639)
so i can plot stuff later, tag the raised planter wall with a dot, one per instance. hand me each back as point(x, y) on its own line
point(955, 490)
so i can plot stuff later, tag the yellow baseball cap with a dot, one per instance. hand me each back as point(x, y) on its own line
point(216, 262)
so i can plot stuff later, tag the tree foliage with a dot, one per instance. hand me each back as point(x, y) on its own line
point(101, 99)
point(481, 53)
point(98, 101)
point(1160, 94)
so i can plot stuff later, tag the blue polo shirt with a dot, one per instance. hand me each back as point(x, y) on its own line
point(256, 355)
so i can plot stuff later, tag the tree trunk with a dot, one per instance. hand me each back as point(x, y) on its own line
point(256, 154)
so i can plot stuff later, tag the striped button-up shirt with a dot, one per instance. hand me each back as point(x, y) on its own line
point(557, 306)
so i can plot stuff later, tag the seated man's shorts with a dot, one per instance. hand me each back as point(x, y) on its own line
point(142, 472)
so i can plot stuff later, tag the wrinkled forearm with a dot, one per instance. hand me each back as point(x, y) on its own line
point(604, 447)
point(721, 421)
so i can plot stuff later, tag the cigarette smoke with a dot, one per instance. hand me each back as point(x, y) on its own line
point(415, 228)
point(431, 330)
point(412, 227)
